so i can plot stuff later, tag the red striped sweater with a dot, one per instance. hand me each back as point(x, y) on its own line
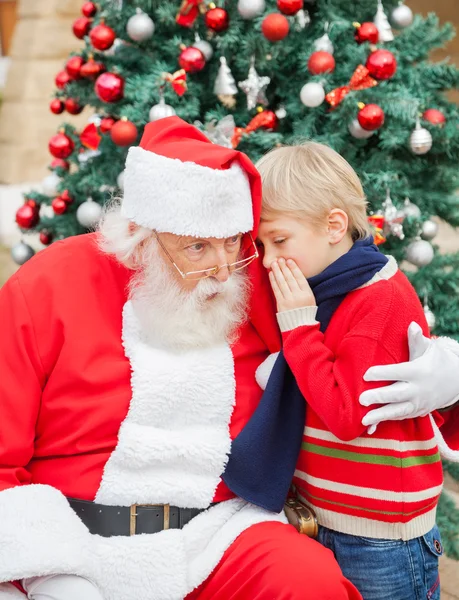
point(385, 485)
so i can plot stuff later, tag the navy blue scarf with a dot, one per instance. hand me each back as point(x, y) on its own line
point(264, 454)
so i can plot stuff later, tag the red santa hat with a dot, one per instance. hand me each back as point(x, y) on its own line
point(178, 181)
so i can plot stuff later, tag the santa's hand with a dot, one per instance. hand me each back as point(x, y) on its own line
point(290, 286)
point(428, 382)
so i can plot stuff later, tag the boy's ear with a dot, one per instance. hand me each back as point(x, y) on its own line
point(337, 225)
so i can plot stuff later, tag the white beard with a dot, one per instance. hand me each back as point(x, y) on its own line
point(181, 319)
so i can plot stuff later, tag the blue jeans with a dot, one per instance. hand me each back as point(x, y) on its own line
point(388, 569)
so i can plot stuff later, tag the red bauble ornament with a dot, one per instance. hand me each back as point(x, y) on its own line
point(62, 79)
point(321, 62)
point(434, 116)
point(371, 117)
point(45, 237)
point(72, 106)
point(109, 87)
point(61, 146)
point(275, 27)
point(106, 124)
point(73, 66)
point(66, 197)
point(81, 27)
point(89, 9)
point(59, 206)
point(56, 106)
point(27, 216)
point(92, 68)
point(60, 163)
point(367, 32)
point(289, 7)
point(124, 133)
point(102, 37)
point(382, 64)
point(192, 60)
point(217, 19)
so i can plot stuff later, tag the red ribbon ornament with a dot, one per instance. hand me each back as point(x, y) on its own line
point(90, 137)
point(377, 226)
point(266, 119)
point(360, 80)
point(189, 12)
point(177, 81)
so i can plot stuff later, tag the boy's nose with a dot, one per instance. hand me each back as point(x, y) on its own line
point(267, 260)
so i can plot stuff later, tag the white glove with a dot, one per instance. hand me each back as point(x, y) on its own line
point(264, 370)
point(428, 382)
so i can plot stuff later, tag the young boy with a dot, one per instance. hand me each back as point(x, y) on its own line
point(343, 307)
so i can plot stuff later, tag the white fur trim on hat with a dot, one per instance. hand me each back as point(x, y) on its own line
point(169, 195)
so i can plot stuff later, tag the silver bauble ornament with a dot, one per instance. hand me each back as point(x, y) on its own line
point(312, 94)
point(21, 253)
point(161, 110)
point(410, 209)
point(430, 317)
point(393, 218)
point(419, 253)
point(89, 213)
point(382, 24)
point(402, 16)
point(140, 27)
point(204, 46)
point(50, 185)
point(429, 230)
point(420, 139)
point(120, 181)
point(324, 44)
point(249, 9)
point(357, 131)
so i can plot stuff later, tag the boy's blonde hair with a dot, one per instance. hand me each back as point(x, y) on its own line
point(308, 181)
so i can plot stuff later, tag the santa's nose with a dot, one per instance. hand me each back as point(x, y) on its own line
point(222, 274)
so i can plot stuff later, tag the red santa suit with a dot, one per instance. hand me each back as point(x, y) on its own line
point(90, 410)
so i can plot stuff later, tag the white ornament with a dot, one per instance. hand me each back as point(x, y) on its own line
point(87, 155)
point(140, 27)
point(254, 87)
point(419, 253)
point(393, 218)
point(402, 16)
point(302, 19)
point(204, 46)
point(429, 230)
point(357, 131)
point(312, 94)
point(120, 181)
point(96, 119)
point(411, 210)
point(281, 113)
point(21, 253)
point(420, 139)
point(430, 317)
point(382, 24)
point(161, 110)
point(89, 213)
point(249, 9)
point(220, 132)
point(50, 185)
point(117, 44)
point(324, 44)
point(225, 86)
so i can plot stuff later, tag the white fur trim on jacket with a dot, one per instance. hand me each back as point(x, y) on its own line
point(263, 372)
point(185, 198)
point(9, 592)
point(174, 442)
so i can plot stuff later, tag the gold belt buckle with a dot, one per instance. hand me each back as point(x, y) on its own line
point(133, 515)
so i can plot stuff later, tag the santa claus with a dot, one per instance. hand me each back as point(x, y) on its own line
point(127, 388)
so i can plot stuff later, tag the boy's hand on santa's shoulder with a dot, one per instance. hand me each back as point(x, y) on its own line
point(290, 286)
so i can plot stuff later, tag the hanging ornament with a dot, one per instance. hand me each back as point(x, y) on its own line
point(411, 210)
point(59, 163)
point(59, 206)
point(92, 69)
point(191, 59)
point(220, 132)
point(289, 7)
point(249, 9)
point(189, 12)
point(419, 253)
point(420, 139)
point(21, 253)
point(106, 124)
point(430, 317)
point(357, 131)
point(312, 94)
point(81, 27)
point(140, 27)
point(402, 16)
point(302, 19)
point(27, 216)
point(117, 45)
point(66, 197)
point(383, 25)
point(324, 44)
point(216, 19)
point(377, 223)
point(275, 27)
point(321, 62)
point(61, 146)
point(393, 218)
point(382, 64)
point(102, 37)
point(370, 116)
point(89, 213)
point(124, 132)
point(177, 81)
point(161, 110)
point(225, 86)
point(120, 181)
point(56, 106)
point(62, 79)
point(366, 32)
point(45, 237)
point(73, 107)
point(50, 184)
point(254, 87)
point(281, 112)
point(429, 230)
point(360, 80)
point(434, 116)
point(89, 9)
point(90, 137)
point(109, 87)
point(73, 66)
point(265, 119)
point(204, 46)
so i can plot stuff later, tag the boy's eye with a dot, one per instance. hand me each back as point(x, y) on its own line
point(280, 241)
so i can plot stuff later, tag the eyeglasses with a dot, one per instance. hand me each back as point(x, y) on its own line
point(235, 266)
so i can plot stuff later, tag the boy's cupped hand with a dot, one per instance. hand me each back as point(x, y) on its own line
point(290, 286)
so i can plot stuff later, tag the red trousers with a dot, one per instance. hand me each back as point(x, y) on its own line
point(272, 561)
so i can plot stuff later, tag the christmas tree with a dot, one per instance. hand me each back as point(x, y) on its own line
point(256, 73)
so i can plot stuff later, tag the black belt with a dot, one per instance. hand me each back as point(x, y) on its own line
point(130, 520)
